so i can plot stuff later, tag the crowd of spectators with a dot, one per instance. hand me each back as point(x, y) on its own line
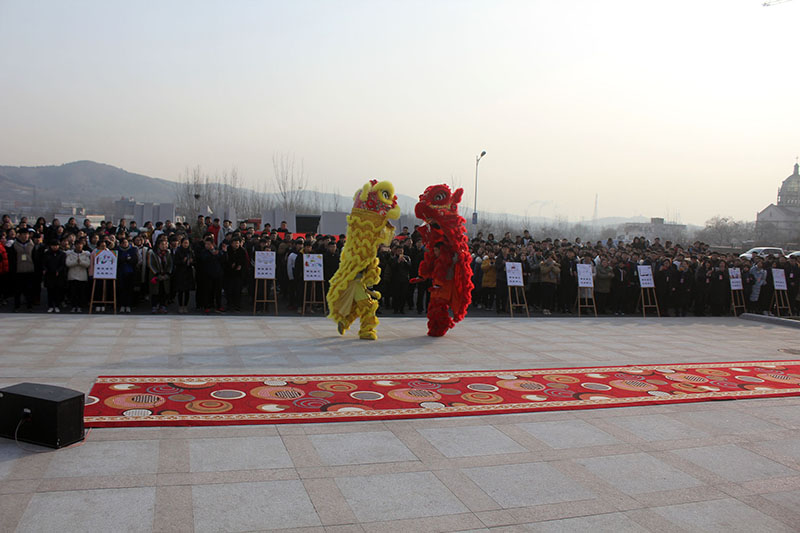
point(161, 266)
point(689, 279)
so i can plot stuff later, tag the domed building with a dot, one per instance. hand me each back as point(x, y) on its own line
point(783, 219)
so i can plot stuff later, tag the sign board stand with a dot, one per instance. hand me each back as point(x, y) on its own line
point(780, 296)
point(104, 269)
point(313, 274)
point(313, 296)
point(266, 300)
point(780, 302)
point(104, 299)
point(515, 280)
point(737, 302)
point(647, 298)
point(586, 289)
point(514, 300)
point(737, 291)
point(264, 273)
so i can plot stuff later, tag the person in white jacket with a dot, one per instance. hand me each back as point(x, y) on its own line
point(78, 262)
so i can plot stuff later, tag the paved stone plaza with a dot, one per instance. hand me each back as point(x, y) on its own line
point(714, 466)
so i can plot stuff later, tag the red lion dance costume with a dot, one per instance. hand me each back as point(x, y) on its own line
point(447, 259)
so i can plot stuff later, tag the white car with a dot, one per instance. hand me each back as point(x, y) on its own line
point(762, 252)
point(794, 254)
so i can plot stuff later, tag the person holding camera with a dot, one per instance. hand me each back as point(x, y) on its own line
point(550, 273)
point(401, 274)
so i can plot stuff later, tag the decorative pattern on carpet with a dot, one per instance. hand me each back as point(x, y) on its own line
point(132, 401)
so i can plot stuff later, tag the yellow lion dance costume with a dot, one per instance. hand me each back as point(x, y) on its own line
point(349, 296)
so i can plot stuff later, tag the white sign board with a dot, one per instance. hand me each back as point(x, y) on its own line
point(735, 275)
point(585, 278)
point(265, 265)
point(312, 267)
point(779, 279)
point(646, 277)
point(514, 274)
point(105, 265)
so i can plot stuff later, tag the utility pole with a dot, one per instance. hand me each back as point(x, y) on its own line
point(475, 207)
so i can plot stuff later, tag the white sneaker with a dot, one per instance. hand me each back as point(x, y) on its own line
point(58, 309)
point(49, 309)
point(79, 310)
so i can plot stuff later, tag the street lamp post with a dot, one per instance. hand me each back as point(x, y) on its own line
point(475, 208)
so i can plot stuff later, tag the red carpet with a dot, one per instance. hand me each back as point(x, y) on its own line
point(133, 401)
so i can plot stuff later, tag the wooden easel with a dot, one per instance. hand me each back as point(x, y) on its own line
point(266, 300)
point(737, 302)
point(104, 299)
point(780, 300)
point(587, 305)
point(514, 300)
point(649, 300)
point(312, 298)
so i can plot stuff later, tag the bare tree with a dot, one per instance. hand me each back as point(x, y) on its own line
point(290, 181)
point(192, 193)
point(335, 203)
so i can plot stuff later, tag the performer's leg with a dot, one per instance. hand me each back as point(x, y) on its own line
point(345, 324)
point(439, 320)
point(366, 310)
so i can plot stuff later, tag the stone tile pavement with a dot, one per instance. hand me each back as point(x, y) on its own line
point(715, 466)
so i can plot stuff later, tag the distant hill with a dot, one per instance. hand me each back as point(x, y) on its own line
point(81, 180)
point(88, 181)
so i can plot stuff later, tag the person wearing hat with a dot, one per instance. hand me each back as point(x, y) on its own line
point(55, 275)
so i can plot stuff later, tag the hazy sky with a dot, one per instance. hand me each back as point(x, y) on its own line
point(685, 107)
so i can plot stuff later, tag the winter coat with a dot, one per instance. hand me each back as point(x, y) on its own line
point(550, 273)
point(55, 269)
point(183, 275)
point(20, 257)
point(760, 278)
point(401, 270)
point(602, 280)
point(159, 268)
point(3, 260)
point(330, 264)
point(78, 265)
point(127, 261)
point(209, 265)
point(489, 273)
point(235, 262)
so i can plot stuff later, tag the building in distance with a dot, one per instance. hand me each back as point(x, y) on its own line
point(781, 220)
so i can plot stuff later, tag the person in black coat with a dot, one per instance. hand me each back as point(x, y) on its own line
point(720, 291)
point(661, 278)
point(501, 283)
point(702, 287)
point(681, 281)
point(183, 274)
point(54, 269)
point(400, 265)
point(236, 264)
point(209, 263)
point(330, 262)
point(417, 253)
point(568, 289)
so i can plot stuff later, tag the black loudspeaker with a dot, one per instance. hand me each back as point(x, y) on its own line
point(51, 416)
